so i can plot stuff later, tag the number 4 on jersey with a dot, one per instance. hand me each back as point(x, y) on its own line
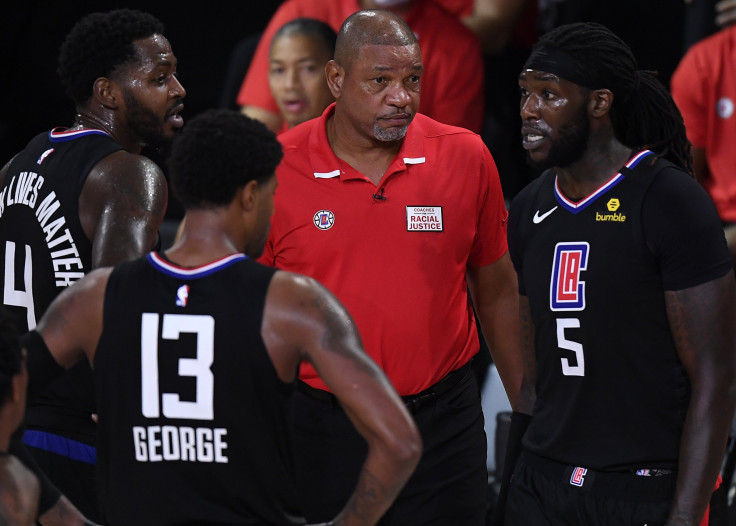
point(12, 296)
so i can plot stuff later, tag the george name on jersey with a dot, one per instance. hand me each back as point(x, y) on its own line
point(182, 443)
point(23, 190)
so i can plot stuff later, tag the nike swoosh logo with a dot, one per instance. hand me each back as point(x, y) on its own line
point(539, 218)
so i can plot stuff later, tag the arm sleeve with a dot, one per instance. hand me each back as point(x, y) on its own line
point(42, 367)
point(682, 229)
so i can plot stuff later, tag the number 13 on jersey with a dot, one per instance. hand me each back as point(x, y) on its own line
point(172, 325)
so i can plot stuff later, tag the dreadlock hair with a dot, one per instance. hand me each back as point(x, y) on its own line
point(219, 151)
point(643, 115)
point(97, 44)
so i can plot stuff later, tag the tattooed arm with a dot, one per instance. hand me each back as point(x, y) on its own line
point(303, 321)
point(703, 324)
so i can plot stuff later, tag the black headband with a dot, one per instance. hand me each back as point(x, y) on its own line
point(558, 62)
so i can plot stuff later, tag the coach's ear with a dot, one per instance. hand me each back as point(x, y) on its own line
point(335, 75)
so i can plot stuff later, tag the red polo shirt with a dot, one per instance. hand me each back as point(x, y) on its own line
point(704, 88)
point(452, 84)
point(395, 254)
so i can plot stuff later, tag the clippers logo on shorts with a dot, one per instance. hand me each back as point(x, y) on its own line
point(567, 290)
point(324, 219)
point(578, 477)
point(182, 296)
point(424, 219)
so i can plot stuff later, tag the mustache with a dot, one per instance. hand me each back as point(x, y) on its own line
point(397, 114)
point(176, 107)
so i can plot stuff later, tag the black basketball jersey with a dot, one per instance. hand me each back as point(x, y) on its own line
point(44, 250)
point(611, 391)
point(193, 419)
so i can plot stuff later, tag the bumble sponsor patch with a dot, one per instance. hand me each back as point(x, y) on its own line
point(424, 219)
point(612, 215)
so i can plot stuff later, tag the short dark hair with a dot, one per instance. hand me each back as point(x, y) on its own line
point(643, 114)
point(219, 151)
point(11, 358)
point(310, 27)
point(371, 27)
point(97, 44)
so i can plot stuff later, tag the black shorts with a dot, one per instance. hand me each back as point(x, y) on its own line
point(448, 488)
point(546, 493)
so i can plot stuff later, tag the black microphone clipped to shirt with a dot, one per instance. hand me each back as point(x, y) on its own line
point(378, 196)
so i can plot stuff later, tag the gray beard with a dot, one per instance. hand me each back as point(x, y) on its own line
point(393, 134)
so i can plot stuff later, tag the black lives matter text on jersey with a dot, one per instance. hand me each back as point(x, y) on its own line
point(25, 189)
point(184, 443)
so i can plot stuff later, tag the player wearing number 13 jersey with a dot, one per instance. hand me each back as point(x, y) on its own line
point(196, 351)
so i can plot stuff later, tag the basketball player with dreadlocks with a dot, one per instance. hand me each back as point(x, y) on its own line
point(628, 299)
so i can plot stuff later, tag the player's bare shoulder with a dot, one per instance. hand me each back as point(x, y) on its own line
point(127, 177)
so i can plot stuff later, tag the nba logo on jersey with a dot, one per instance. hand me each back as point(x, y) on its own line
point(578, 477)
point(43, 156)
point(567, 290)
point(182, 296)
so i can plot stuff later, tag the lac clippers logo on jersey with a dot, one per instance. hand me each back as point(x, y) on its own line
point(578, 477)
point(567, 289)
point(424, 219)
point(324, 219)
point(182, 296)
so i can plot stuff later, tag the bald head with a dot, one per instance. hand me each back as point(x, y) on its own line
point(370, 27)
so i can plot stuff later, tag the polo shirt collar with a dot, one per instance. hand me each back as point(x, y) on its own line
point(326, 165)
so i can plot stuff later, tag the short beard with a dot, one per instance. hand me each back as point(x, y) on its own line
point(143, 123)
point(390, 135)
point(571, 144)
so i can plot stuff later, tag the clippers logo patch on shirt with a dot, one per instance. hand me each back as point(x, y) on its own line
point(424, 219)
point(324, 219)
point(578, 477)
point(724, 107)
point(567, 289)
point(182, 296)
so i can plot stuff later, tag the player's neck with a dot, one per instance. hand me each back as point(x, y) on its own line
point(596, 166)
point(204, 238)
point(86, 120)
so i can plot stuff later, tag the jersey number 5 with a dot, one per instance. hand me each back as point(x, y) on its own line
point(568, 369)
point(12, 296)
point(155, 402)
